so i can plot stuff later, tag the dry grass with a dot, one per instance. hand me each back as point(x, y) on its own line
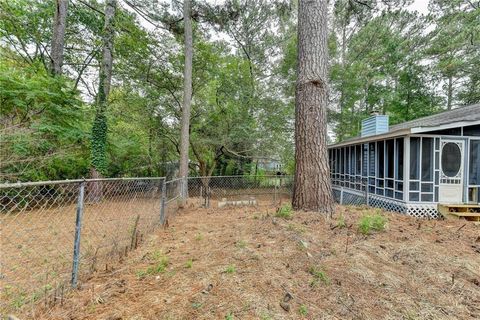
point(246, 263)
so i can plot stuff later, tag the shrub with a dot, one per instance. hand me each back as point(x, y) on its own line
point(369, 223)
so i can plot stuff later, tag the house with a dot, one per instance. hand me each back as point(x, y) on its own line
point(270, 166)
point(413, 166)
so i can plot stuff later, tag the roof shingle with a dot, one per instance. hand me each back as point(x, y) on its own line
point(467, 113)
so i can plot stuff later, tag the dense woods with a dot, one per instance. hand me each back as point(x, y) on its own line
point(62, 117)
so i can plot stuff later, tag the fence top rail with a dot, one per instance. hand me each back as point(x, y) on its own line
point(54, 182)
point(174, 180)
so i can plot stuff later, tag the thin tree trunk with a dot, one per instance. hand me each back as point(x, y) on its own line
point(99, 130)
point(58, 38)
point(449, 93)
point(343, 126)
point(187, 90)
point(312, 188)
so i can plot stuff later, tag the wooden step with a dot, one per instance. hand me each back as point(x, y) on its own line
point(470, 212)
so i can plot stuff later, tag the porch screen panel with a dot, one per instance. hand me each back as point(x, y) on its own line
point(399, 159)
point(474, 171)
point(337, 169)
point(414, 158)
point(389, 168)
point(371, 167)
point(472, 130)
point(427, 159)
point(358, 152)
point(341, 160)
point(337, 161)
point(371, 159)
point(365, 160)
point(352, 159)
point(390, 159)
point(347, 160)
point(399, 168)
point(380, 159)
point(380, 182)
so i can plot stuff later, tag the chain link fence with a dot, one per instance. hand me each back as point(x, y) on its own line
point(238, 190)
point(55, 233)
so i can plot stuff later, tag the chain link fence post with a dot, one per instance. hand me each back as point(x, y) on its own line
point(275, 193)
point(208, 196)
point(163, 201)
point(78, 231)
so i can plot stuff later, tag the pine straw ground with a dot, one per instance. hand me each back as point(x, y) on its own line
point(243, 263)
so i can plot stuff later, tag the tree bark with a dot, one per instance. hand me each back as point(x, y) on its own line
point(99, 130)
point(449, 93)
point(58, 38)
point(312, 188)
point(187, 90)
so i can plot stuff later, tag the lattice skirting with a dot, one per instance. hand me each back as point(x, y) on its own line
point(355, 197)
point(423, 210)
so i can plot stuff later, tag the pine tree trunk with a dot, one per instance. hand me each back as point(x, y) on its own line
point(58, 38)
point(449, 93)
point(312, 189)
point(187, 90)
point(99, 130)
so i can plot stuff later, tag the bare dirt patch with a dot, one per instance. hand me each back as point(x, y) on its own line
point(246, 263)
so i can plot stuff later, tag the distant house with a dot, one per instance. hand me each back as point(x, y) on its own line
point(270, 166)
point(413, 166)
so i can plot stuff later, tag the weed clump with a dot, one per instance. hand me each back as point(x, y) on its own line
point(369, 223)
point(303, 310)
point(319, 275)
point(285, 212)
point(230, 269)
point(241, 244)
point(161, 264)
point(341, 222)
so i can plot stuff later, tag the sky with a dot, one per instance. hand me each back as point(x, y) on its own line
point(420, 6)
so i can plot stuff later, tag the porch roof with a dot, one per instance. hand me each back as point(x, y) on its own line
point(462, 116)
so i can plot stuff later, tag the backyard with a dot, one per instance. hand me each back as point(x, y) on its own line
point(266, 262)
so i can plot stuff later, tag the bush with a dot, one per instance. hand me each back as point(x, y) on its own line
point(369, 223)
